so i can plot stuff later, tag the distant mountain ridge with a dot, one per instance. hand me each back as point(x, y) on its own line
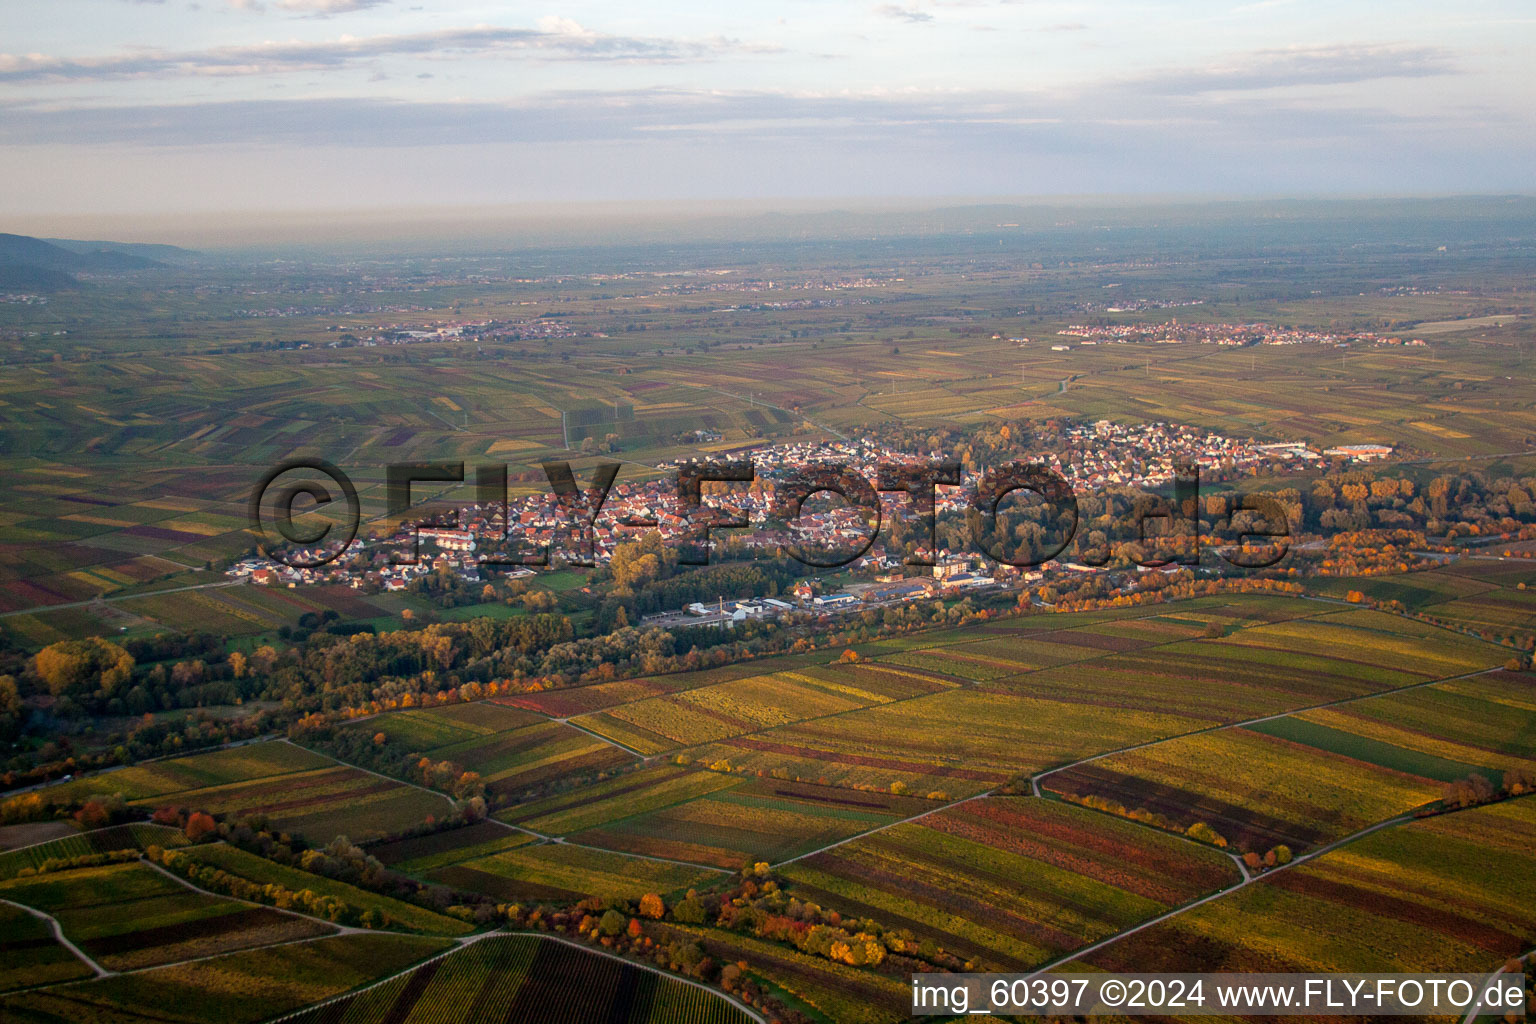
point(148, 250)
point(41, 265)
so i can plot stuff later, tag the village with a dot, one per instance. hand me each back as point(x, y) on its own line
point(1175, 333)
point(530, 533)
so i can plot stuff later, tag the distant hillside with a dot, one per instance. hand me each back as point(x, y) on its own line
point(32, 264)
point(22, 277)
point(146, 250)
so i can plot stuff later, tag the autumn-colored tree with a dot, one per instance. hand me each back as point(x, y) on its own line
point(1204, 833)
point(264, 658)
point(93, 814)
point(171, 816)
point(1468, 792)
point(1519, 781)
point(651, 906)
point(199, 825)
point(238, 665)
point(10, 697)
point(80, 665)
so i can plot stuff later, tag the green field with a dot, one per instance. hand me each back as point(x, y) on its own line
point(526, 978)
point(294, 789)
point(1011, 882)
point(32, 955)
point(1451, 893)
point(134, 836)
point(563, 873)
point(398, 915)
point(128, 916)
point(242, 988)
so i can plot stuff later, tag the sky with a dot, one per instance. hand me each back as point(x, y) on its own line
point(144, 107)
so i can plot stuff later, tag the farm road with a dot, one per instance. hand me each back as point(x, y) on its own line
point(58, 933)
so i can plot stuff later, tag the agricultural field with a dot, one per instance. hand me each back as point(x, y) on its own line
point(136, 835)
point(761, 820)
point(1481, 594)
point(439, 849)
point(129, 916)
point(1254, 789)
point(1376, 639)
point(1011, 882)
point(196, 771)
point(427, 729)
point(564, 873)
point(134, 420)
point(570, 701)
point(1312, 777)
point(1484, 724)
point(296, 789)
point(624, 795)
point(955, 743)
point(1498, 613)
point(511, 749)
point(398, 915)
point(832, 990)
point(1448, 893)
point(238, 988)
point(1265, 667)
point(31, 833)
point(1211, 681)
point(32, 955)
point(742, 706)
point(581, 700)
point(525, 977)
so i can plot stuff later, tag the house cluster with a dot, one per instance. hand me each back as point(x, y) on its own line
point(1175, 333)
point(1099, 455)
point(1108, 454)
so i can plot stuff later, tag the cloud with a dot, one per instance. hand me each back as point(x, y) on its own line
point(910, 15)
point(315, 8)
point(1110, 118)
point(556, 25)
point(284, 57)
point(1278, 69)
point(328, 6)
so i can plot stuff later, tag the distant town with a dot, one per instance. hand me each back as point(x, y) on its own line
point(461, 541)
point(1174, 333)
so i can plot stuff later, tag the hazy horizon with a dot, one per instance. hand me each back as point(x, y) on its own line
point(115, 107)
point(648, 220)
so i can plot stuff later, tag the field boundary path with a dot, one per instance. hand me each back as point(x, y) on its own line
point(1248, 879)
point(605, 739)
point(369, 771)
point(119, 597)
point(58, 933)
point(468, 940)
point(461, 943)
point(1472, 1014)
point(1035, 779)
